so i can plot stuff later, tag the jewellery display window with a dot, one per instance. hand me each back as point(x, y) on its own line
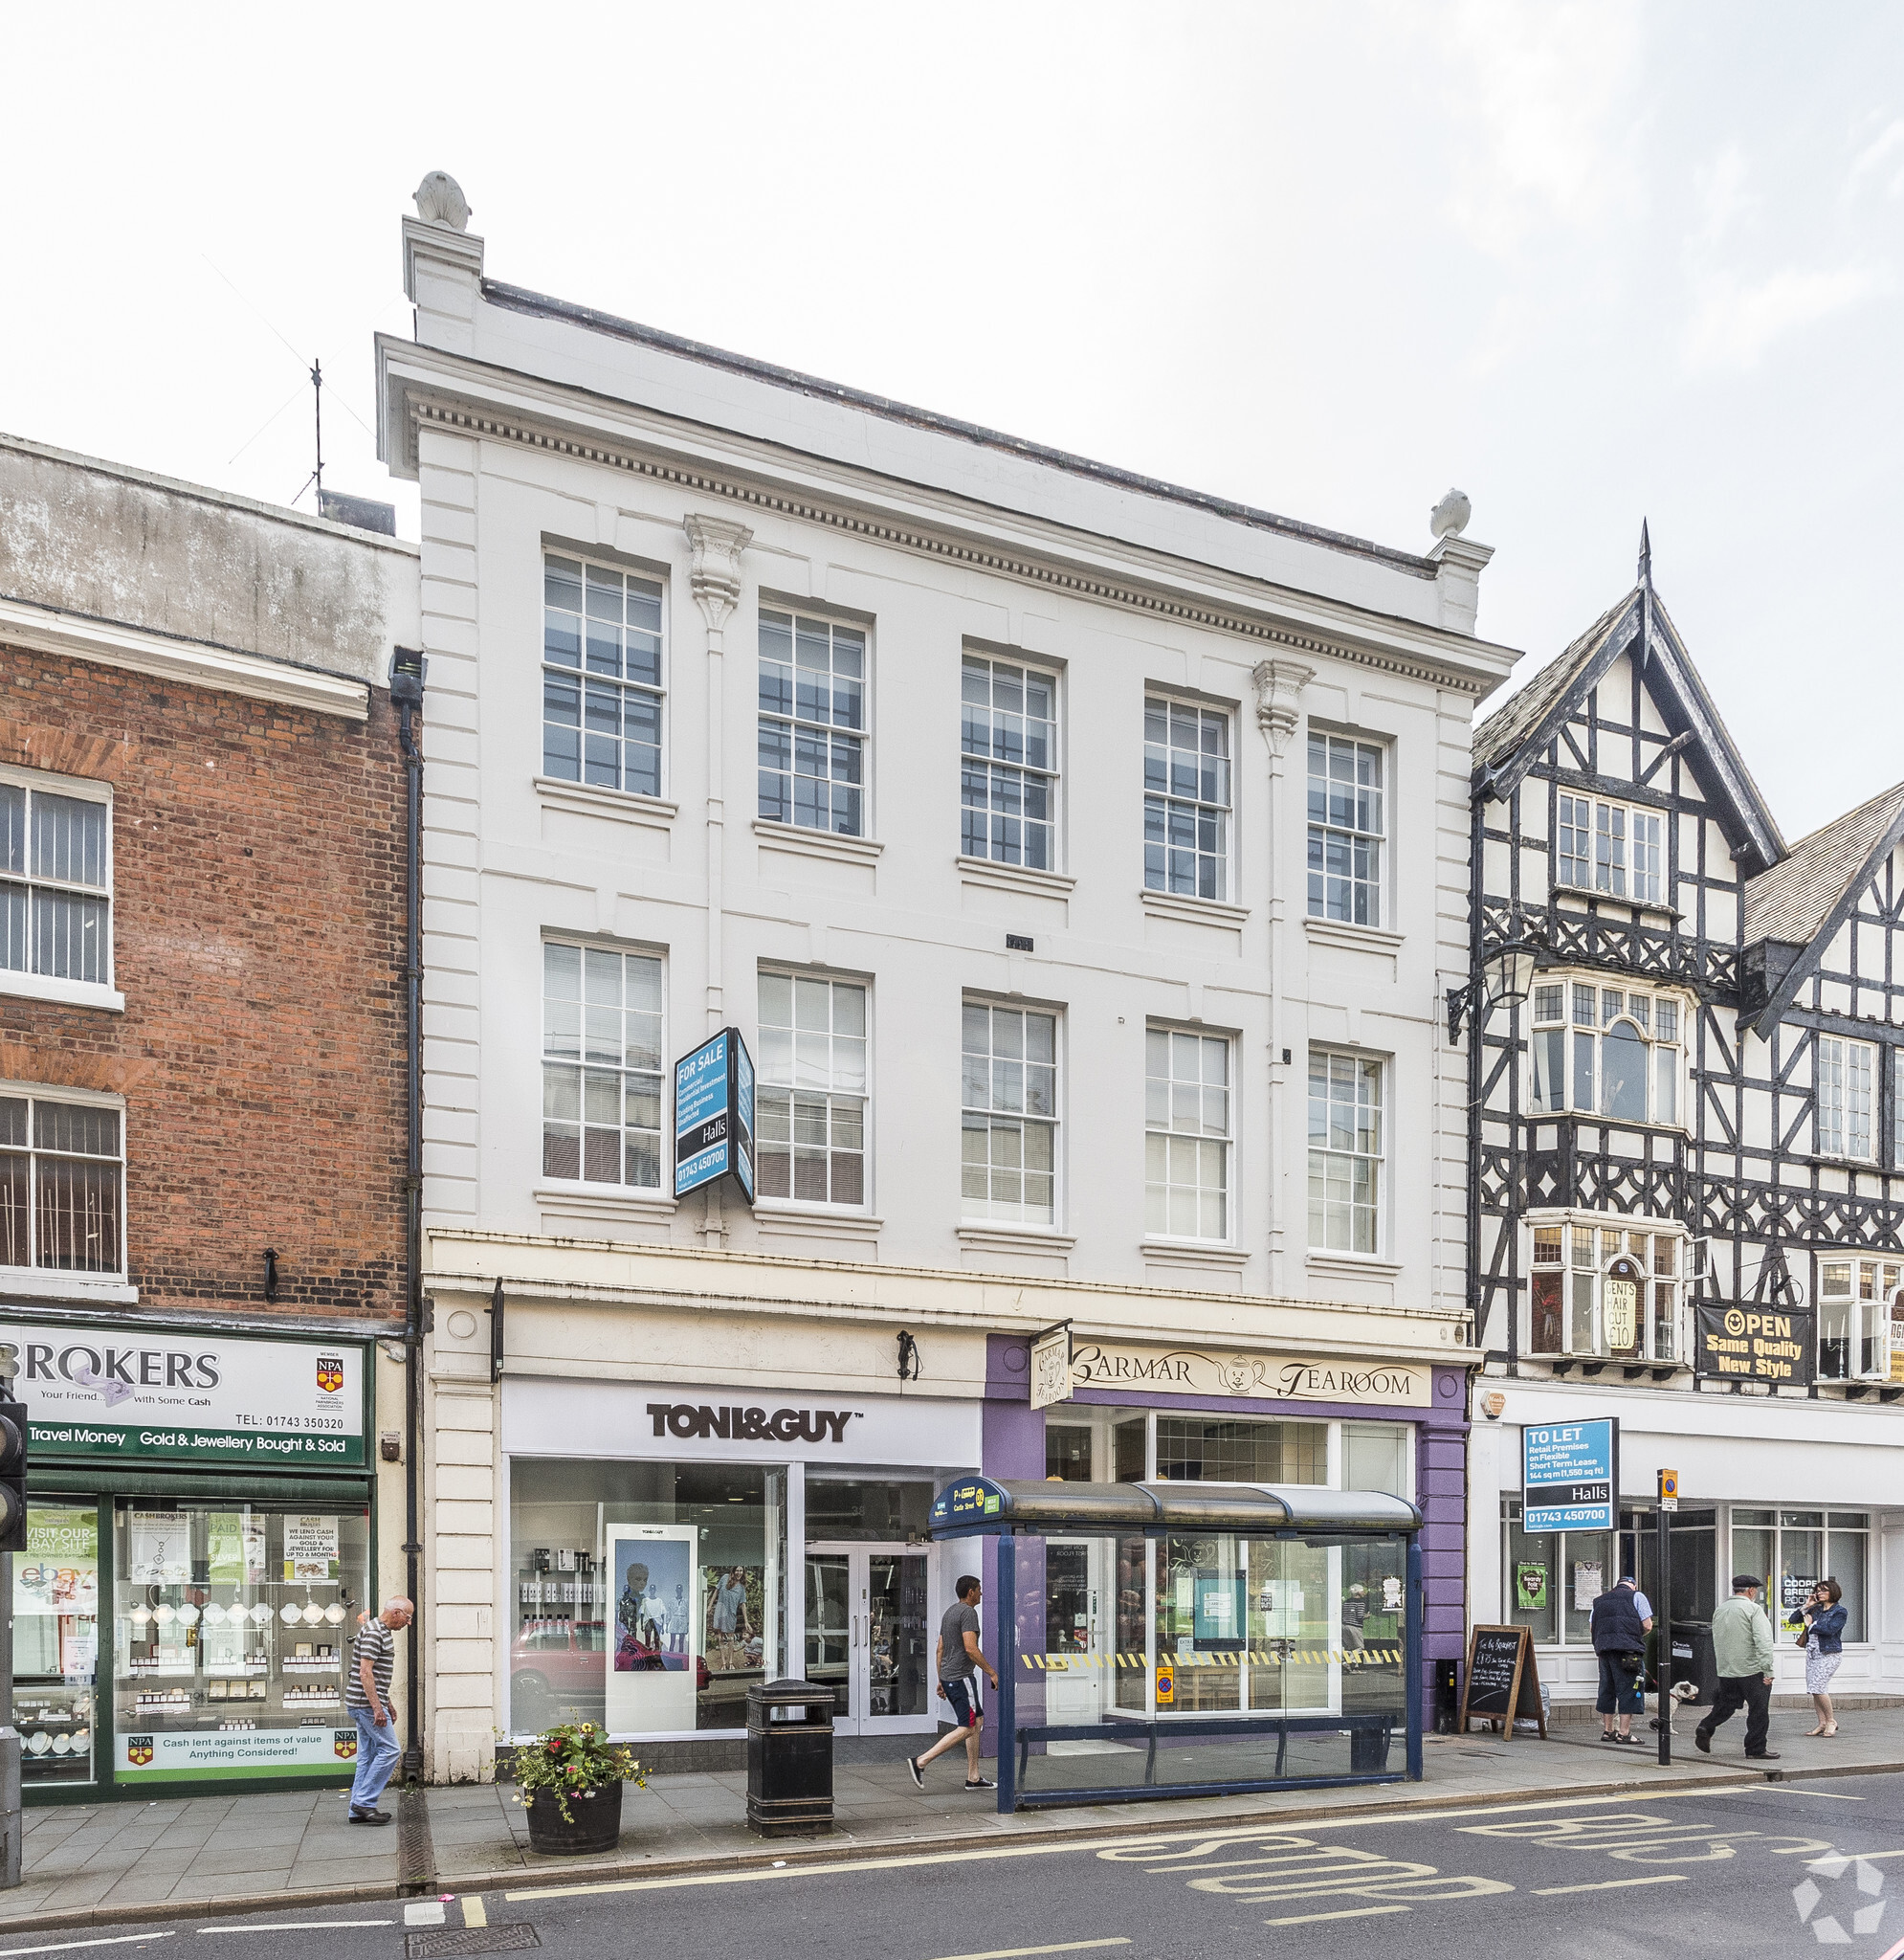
point(232, 1625)
point(56, 1644)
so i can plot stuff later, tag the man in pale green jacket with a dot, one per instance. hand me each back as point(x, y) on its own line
point(1742, 1652)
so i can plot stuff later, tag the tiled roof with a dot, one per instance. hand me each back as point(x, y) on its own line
point(1793, 899)
point(1503, 731)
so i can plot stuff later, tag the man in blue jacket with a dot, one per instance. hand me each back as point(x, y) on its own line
point(1620, 1622)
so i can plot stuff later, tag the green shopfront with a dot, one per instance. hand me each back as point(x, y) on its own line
point(200, 1542)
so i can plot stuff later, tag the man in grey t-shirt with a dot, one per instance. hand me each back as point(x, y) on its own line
point(959, 1658)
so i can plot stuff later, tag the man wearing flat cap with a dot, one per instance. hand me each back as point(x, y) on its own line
point(1742, 1653)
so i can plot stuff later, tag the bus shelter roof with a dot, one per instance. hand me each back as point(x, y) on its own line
point(980, 1504)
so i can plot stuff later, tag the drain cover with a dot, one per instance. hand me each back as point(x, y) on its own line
point(475, 1938)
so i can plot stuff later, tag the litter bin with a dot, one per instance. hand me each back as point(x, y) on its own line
point(1693, 1660)
point(789, 1758)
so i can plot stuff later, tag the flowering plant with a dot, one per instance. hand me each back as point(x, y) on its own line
point(574, 1760)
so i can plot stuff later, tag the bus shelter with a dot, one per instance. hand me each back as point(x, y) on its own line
point(1195, 1639)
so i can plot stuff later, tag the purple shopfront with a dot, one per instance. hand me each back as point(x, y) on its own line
point(1141, 1411)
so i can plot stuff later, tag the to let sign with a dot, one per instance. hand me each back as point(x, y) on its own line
point(1568, 1476)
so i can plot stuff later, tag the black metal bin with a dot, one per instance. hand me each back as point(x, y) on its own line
point(789, 1758)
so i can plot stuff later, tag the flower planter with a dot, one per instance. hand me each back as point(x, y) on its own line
point(597, 1825)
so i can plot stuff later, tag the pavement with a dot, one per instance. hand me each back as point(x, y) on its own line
point(126, 1862)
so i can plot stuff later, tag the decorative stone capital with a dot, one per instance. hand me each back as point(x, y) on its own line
point(1279, 685)
point(1458, 565)
point(715, 577)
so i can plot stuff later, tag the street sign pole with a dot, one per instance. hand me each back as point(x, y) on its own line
point(1669, 1502)
point(11, 1835)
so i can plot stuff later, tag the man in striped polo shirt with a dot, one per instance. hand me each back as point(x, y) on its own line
point(367, 1694)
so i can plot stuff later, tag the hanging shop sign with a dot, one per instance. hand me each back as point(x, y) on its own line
point(1752, 1344)
point(714, 1116)
point(1569, 1474)
point(1050, 1367)
point(188, 1397)
point(1267, 1377)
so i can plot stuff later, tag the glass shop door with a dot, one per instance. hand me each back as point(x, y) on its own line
point(56, 1645)
point(1077, 1630)
point(868, 1637)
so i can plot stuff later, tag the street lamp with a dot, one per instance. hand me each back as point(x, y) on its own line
point(1507, 978)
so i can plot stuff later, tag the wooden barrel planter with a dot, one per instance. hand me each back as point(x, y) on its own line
point(597, 1825)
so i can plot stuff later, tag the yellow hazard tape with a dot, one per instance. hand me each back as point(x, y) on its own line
point(1351, 1656)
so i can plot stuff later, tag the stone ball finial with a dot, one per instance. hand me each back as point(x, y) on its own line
point(441, 201)
point(1450, 517)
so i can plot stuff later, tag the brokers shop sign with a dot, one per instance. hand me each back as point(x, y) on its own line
point(136, 1393)
point(1268, 1378)
point(1752, 1344)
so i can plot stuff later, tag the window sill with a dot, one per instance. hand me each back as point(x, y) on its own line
point(66, 992)
point(1357, 938)
point(604, 1201)
point(1648, 912)
point(1194, 1252)
point(1013, 878)
point(92, 1289)
point(1016, 1239)
point(816, 1221)
point(1834, 1161)
point(618, 805)
point(1353, 1265)
point(1196, 911)
point(793, 836)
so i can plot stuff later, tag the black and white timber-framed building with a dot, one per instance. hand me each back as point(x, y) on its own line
point(1686, 1190)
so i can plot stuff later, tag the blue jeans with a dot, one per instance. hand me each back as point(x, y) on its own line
point(376, 1757)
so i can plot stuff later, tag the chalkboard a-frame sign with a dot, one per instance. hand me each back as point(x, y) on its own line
point(1503, 1681)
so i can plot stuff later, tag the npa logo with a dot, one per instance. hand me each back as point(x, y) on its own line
point(139, 1750)
point(330, 1376)
point(344, 1742)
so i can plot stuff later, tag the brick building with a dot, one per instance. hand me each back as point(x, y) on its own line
point(203, 1085)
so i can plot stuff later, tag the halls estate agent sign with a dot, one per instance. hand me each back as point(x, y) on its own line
point(130, 1393)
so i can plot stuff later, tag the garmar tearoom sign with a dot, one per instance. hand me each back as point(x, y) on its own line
point(1271, 1377)
point(188, 1397)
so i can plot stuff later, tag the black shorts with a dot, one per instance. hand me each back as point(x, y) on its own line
point(963, 1695)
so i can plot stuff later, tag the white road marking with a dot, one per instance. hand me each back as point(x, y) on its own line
point(1792, 1789)
point(1356, 1912)
point(1612, 1884)
point(293, 1926)
point(1020, 1952)
point(66, 1946)
point(425, 1912)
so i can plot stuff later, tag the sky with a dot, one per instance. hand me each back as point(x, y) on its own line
point(1589, 263)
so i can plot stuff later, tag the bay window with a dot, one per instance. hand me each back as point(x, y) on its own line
point(1604, 1051)
point(1602, 1290)
point(1856, 1300)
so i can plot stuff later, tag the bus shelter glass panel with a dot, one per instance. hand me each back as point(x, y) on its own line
point(1218, 1658)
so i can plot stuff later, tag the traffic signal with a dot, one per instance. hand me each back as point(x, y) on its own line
point(12, 1476)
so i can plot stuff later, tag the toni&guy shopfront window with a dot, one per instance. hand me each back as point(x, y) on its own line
point(736, 1536)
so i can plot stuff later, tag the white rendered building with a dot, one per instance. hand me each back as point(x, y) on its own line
point(979, 788)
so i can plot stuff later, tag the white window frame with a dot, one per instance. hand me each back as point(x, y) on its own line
point(554, 671)
point(1181, 1134)
point(856, 737)
point(49, 1279)
point(22, 980)
point(1003, 767)
point(1322, 831)
point(997, 1117)
point(1849, 1069)
point(774, 1081)
point(1642, 1011)
point(1867, 1290)
point(1609, 862)
point(548, 1058)
point(1592, 1265)
point(1369, 1066)
point(1204, 803)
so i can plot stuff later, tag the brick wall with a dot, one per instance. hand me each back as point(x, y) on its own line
point(257, 937)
